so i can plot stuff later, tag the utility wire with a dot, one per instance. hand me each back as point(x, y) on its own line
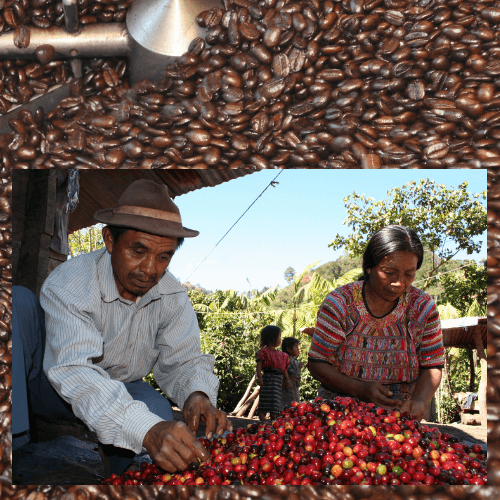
point(444, 272)
point(272, 183)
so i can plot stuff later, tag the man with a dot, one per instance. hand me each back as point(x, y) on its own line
point(113, 315)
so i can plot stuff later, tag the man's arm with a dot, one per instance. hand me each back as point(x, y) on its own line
point(73, 341)
point(184, 373)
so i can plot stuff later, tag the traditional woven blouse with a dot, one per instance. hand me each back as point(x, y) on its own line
point(273, 359)
point(390, 350)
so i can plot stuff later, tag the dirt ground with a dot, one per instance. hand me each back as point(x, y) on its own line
point(74, 460)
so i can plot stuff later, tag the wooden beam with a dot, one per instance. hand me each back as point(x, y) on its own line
point(38, 229)
point(472, 369)
point(482, 384)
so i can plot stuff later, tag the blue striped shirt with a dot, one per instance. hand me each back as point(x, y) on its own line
point(97, 340)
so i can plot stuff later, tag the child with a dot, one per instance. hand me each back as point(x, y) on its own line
point(290, 345)
point(274, 364)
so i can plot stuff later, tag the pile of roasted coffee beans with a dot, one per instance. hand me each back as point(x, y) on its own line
point(250, 493)
point(297, 84)
point(329, 442)
point(493, 351)
point(14, 14)
point(21, 80)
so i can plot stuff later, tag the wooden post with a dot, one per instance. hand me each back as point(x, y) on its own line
point(482, 383)
point(472, 369)
point(38, 228)
point(247, 392)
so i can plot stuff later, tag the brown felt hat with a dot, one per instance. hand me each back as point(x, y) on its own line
point(146, 206)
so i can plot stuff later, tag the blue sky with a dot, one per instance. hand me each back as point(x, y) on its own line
point(291, 224)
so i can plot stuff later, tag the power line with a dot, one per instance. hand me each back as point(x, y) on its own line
point(272, 183)
point(445, 272)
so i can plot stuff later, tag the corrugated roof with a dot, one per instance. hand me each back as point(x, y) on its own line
point(102, 188)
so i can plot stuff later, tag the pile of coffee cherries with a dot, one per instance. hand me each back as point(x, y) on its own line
point(329, 442)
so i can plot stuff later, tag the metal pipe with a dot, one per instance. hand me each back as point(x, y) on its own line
point(70, 9)
point(93, 40)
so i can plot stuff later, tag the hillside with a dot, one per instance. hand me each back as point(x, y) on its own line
point(198, 288)
point(335, 269)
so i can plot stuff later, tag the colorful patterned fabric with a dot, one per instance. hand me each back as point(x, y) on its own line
point(391, 349)
point(271, 393)
point(273, 359)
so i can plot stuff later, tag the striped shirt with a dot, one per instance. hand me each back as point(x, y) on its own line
point(391, 350)
point(97, 340)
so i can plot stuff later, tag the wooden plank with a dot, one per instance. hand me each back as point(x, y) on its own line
point(481, 396)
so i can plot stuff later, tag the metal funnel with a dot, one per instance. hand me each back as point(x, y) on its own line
point(160, 31)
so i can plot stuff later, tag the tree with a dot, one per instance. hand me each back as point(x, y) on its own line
point(446, 220)
point(465, 286)
point(289, 275)
point(86, 240)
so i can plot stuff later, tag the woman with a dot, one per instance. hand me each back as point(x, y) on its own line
point(379, 339)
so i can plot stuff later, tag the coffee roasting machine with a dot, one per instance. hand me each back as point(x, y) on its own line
point(153, 35)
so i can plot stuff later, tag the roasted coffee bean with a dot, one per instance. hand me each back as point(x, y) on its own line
point(22, 37)
point(45, 53)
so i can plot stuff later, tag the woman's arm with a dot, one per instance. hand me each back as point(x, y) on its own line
point(426, 386)
point(259, 372)
point(370, 392)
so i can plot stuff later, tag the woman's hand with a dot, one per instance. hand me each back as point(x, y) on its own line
point(377, 393)
point(172, 446)
point(199, 408)
point(414, 408)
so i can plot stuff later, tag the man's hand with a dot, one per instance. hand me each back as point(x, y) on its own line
point(172, 446)
point(375, 392)
point(414, 408)
point(199, 408)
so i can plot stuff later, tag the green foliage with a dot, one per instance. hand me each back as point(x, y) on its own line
point(459, 369)
point(86, 240)
point(449, 409)
point(308, 385)
point(445, 219)
point(458, 363)
point(230, 327)
point(465, 287)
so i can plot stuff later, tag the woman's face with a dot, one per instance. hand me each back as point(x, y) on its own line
point(393, 275)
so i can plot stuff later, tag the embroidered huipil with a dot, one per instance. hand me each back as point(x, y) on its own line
point(96, 340)
point(270, 358)
point(390, 350)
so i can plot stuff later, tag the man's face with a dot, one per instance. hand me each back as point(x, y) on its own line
point(139, 260)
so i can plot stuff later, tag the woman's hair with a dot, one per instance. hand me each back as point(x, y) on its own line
point(288, 343)
point(269, 334)
point(390, 239)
